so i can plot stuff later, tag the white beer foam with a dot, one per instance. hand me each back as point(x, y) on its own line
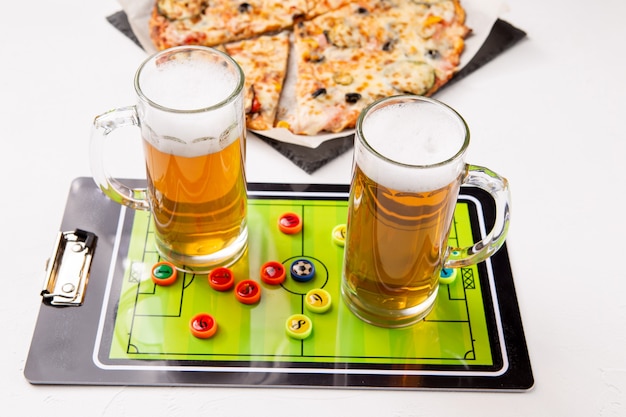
point(413, 134)
point(188, 85)
point(185, 86)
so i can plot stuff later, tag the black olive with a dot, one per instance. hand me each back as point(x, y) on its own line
point(352, 97)
point(388, 46)
point(432, 53)
point(317, 59)
point(361, 10)
point(244, 7)
point(318, 92)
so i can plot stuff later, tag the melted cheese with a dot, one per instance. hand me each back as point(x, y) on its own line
point(348, 53)
point(383, 48)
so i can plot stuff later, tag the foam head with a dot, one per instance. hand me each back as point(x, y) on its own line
point(190, 97)
point(411, 144)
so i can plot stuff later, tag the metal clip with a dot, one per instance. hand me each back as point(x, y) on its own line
point(67, 271)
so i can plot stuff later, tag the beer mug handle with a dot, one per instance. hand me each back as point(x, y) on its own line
point(104, 124)
point(498, 188)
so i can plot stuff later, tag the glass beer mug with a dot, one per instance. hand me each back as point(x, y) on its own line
point(409, 164)
point(190, 113)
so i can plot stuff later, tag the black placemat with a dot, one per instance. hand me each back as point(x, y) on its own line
point(503, 36)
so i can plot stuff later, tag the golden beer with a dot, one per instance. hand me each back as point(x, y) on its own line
point(198, 203)
point(408, 169)
point(409, 165)
point(395, 248)
point(190, 113)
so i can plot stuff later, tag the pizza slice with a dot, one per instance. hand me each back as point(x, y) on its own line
point(349, 57)
point(431, 32)
point(210, 23)
point(340, 56)
point(264, 62)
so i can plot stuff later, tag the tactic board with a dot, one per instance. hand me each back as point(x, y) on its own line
point(129, 330)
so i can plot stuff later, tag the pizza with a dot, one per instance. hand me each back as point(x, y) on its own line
point(312, 66)
point(264, 62)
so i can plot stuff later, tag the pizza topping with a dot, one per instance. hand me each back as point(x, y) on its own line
point(343, 36)
point(255, 105)
point(410, 76)
point(388, 46)
point(315, 58)
point(343, 78)
point(318, 92)
point(352, 97)
point(283, 124)
point(432, 54)
point(429, 27)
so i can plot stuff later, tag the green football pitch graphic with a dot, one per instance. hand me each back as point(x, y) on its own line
point(152, 322)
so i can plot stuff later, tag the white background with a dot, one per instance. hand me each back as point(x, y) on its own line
point(548, 114)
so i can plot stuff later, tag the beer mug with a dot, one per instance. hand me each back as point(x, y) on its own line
point(407, 171)
point(190, 113)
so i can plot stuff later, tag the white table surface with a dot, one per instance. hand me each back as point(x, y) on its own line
point(548, 114)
